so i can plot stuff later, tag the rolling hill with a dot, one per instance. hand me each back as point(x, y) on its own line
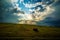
point(24, 31)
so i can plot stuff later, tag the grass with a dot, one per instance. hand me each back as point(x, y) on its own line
point(24, 30)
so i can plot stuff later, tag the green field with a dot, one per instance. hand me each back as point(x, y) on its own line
point(24, 31)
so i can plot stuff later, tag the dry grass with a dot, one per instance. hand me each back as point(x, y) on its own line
point(24, 30)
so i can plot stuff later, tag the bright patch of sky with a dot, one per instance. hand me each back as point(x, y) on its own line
point(39, 7)
point(31, 11)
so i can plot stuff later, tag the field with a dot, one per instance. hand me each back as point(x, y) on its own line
point(27, 32)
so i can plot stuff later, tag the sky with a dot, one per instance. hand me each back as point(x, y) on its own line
point(38, 12)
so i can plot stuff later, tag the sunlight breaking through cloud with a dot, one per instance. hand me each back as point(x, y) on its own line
point(32, 17)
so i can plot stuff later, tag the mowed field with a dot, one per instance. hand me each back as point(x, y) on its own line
point(25, 30)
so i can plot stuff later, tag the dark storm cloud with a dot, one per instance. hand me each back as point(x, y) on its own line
point(54, 18)
point(5, 13)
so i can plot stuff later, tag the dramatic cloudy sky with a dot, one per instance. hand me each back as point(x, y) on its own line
point(39, 12)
